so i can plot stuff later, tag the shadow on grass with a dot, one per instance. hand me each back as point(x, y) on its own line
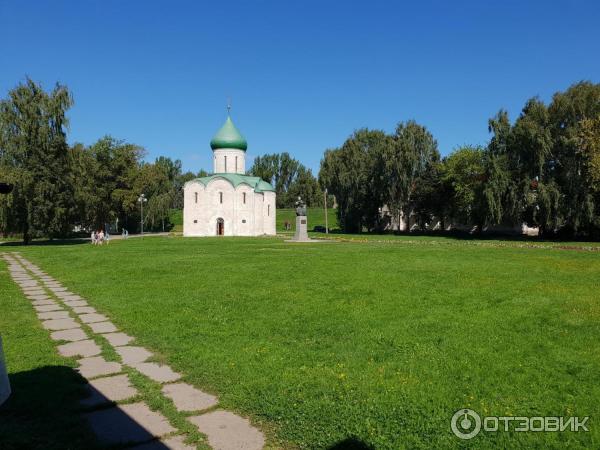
point(46, 242)
point(465, 236)
point(43, 411)
point(351, 444)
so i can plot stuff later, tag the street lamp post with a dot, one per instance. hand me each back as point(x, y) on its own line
point(141, 200)
point(325, 202)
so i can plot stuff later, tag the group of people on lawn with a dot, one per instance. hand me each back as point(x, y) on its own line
point(100, 237)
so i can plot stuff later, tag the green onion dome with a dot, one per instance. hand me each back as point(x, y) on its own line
point(228, 137)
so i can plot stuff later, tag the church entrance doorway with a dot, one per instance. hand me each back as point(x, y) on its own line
point(220, 227)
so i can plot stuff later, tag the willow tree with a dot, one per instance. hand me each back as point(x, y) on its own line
point(411, 153)
point(34, 155)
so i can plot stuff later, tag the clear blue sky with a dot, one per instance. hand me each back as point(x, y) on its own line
point(302, 75)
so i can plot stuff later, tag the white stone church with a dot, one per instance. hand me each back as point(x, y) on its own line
point(228, 202)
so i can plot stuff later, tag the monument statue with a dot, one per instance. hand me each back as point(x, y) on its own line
point(300, 207)
point(301, 233)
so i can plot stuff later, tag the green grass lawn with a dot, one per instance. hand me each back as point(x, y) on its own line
point(375, 341)
point(316, 217)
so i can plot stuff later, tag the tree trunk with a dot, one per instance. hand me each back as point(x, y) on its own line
point(26, 234)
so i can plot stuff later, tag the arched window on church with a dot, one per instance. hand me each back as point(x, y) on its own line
point(268, 210)
point(195, 197)
point(236, 166)
point(225, 163)
point(220, 197)
point(243, 195)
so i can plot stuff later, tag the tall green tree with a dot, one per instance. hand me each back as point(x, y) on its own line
point(108, 189)
point(353, 174)
point(289, 178)
point(411, 153)
point(34, 155)
point(569, 112)
point(463, 174)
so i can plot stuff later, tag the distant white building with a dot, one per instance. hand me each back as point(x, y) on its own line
point(228, 202)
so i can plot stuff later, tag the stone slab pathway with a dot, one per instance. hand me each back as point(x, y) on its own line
point(174, 443)
point(117, 339)
point(97, 366)
point(60, 324)
point(187, 398)
point(226, 431)
point(158, 373)
point(108, 390)
point(125, 423)
point(75, 334)
point(131, 423)
point(83, 310)
point(102, 327)
point(132, 355)
point(84, 349)
point(53, 315)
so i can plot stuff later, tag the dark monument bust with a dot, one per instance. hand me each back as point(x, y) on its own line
point(300, 207)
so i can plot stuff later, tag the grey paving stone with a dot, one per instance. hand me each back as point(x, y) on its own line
point(70, 297)
point(72, 335)
point(158, 373)
point(37, 293)
point(46, 308)
point(58, 324)
point(172, 443)
point(117, 339)
point(228, 431)
point(187, 398)
point(56, 290)
point(83, 310)
point(84, 349)
point(43, 302)
point(28, 284)
point(128, 424)
point(97, 366)
point(102, 327)
point(74, 303)
point(91, 318)
point(132, 355)
point(109, 389)
point(37, 297)
point(53, 315)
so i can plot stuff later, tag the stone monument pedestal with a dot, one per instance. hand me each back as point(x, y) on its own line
point(301, 233)
point(4, 384)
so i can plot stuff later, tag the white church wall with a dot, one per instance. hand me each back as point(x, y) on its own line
point(244, 220)
point(229, 160)
point(215, 208)
point(269, 213)
point(194, 200)
point(259, 200)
